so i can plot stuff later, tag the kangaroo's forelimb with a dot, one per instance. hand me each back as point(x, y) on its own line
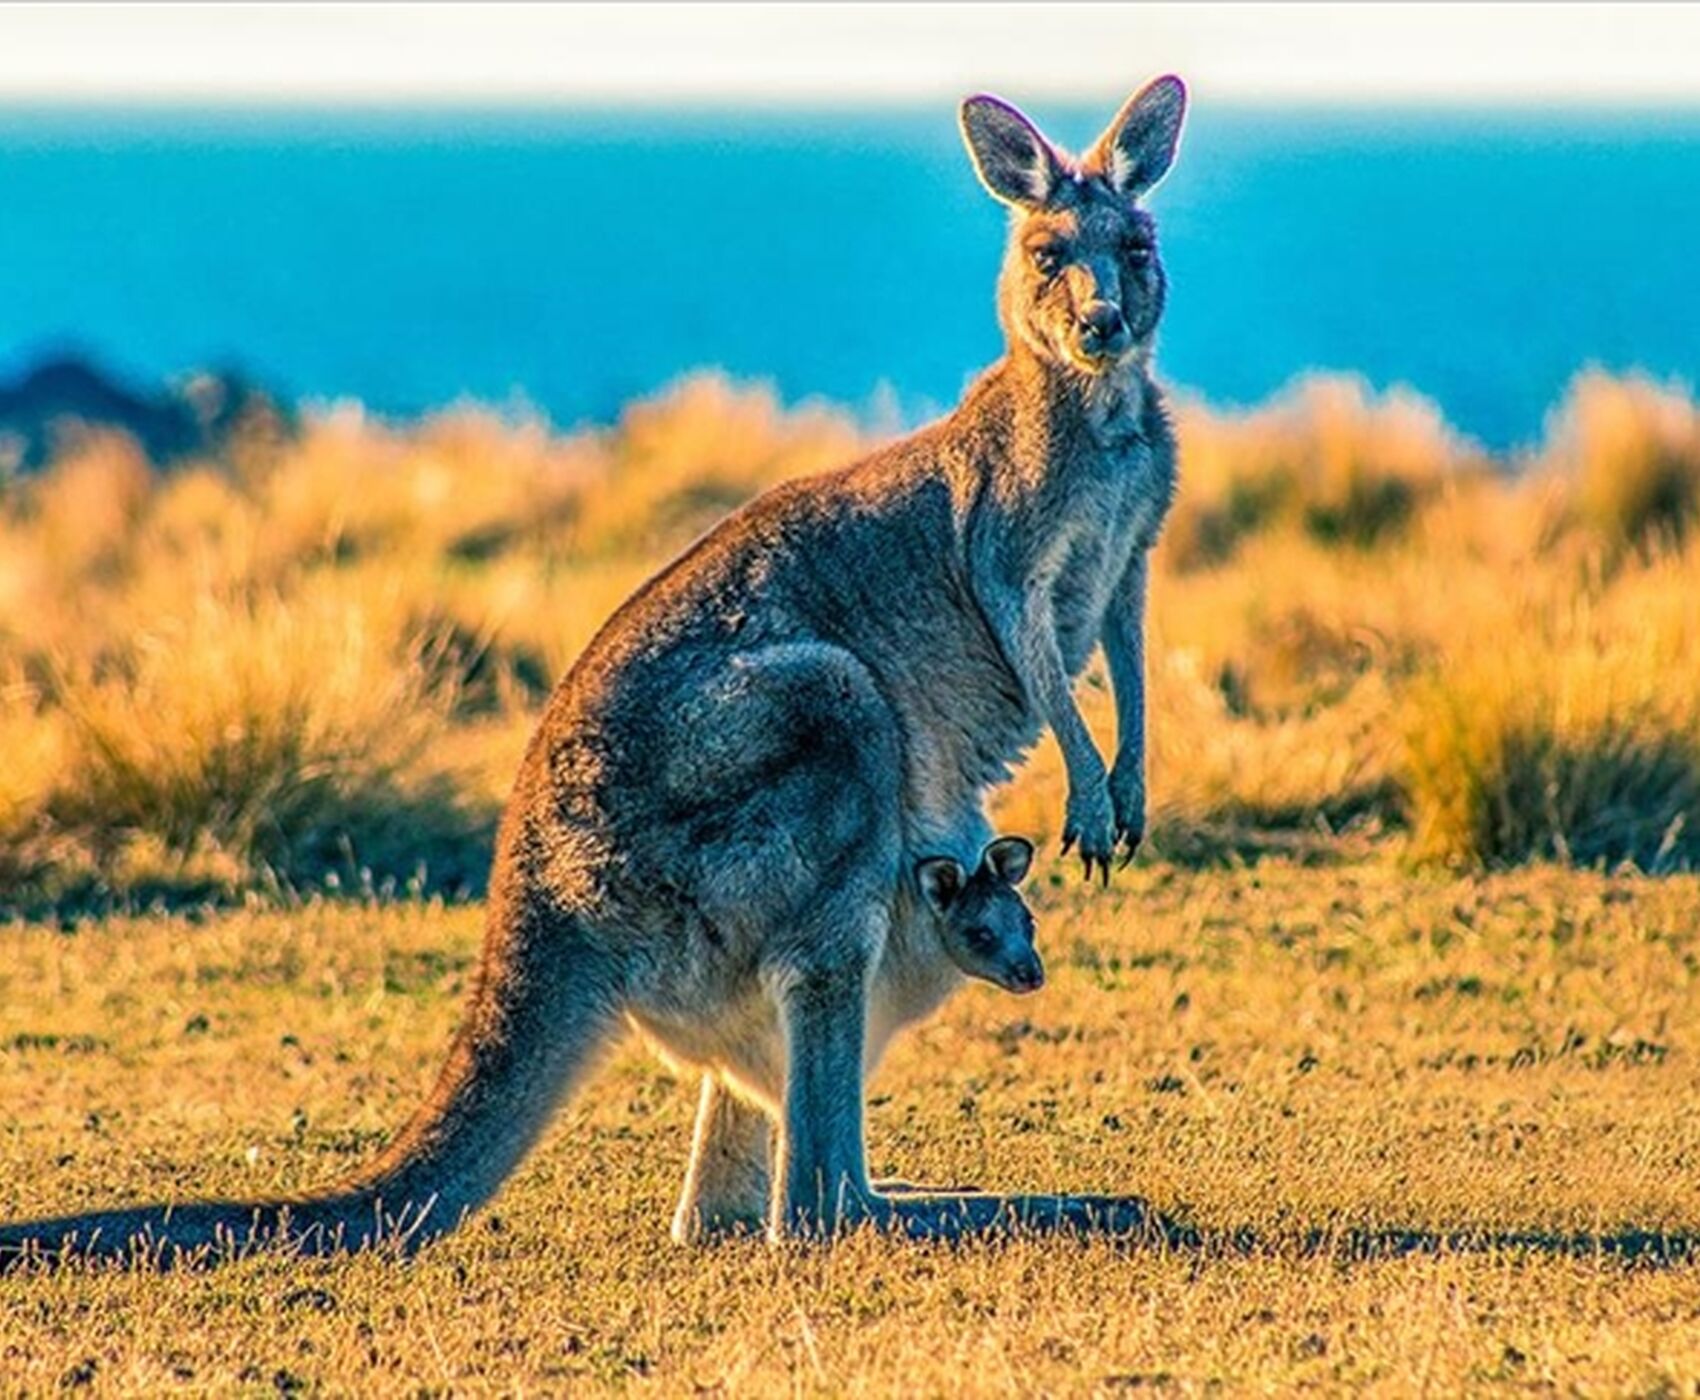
point(1022, 614)
point(1123, 637)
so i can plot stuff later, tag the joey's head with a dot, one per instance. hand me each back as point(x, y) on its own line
point(1082, 284)
point(984, 923)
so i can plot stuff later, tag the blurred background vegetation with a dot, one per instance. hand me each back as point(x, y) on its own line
point(308, 659)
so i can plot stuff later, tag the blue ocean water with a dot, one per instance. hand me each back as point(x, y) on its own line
point(577, 258)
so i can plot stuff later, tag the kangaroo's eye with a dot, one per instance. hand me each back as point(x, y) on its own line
point(980, 938)
point(1047, 259)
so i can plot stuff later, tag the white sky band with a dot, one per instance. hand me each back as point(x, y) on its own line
point(821, 54)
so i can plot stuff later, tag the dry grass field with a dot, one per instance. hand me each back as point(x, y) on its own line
point(313, 664)
point(1277, 1051)
point(1396, 1014)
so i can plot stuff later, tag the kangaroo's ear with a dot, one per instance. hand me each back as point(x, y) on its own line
point(941, 879)
point(1139, 146)
point(1012, 159)
point(1009, 858)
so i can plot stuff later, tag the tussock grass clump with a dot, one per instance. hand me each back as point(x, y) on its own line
point(83, 511)
point(679, 462)
point(1581, 746)
point(1329, 458)
point(1629, 449)
point(286, 739)
point(461, 484)
point(31, 745)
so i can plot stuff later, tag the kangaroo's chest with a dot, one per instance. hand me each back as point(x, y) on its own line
point(906, 988)
point(1103, 520)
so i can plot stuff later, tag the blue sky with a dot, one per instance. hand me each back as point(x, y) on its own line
point(826, 53)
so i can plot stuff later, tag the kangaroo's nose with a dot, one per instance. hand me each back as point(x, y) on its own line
point(1102, 327)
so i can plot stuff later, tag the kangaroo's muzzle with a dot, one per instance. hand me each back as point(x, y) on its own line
point(1101, 331)
point(1026, 975)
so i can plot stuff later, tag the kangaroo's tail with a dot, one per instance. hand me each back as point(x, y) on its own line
point(545, 1004)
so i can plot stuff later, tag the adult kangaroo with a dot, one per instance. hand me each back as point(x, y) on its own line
point(714, 833)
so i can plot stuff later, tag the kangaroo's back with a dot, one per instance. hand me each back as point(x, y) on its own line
point(871, 558)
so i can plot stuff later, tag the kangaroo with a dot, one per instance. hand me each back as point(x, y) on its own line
point(985, 926)
point(712, 832)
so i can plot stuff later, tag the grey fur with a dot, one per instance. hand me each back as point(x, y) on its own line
point(712, 832)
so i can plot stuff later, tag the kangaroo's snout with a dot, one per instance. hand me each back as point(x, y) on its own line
point(1026, 975)
point(1102, 329)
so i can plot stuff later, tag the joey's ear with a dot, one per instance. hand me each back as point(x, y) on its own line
point(1139, 146)
point(1009, 858)
point(1012, 159)
point(941, 879)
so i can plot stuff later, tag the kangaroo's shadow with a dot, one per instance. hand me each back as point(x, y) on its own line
point(966, 1217)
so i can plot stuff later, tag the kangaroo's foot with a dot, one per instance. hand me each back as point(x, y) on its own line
point(976, 1215)
point(727, 1185)
point(918, 1214)
point(891, 1186)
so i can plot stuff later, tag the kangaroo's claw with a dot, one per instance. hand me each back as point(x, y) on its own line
point(1130, 840)
point(1089, 825)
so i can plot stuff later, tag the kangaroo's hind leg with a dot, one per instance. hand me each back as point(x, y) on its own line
point(781, 785)
point(822, 1167)
point(727, 1185)
point(821, 992)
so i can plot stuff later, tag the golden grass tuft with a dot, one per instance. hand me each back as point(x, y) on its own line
point(680, 462)
point(1328, 457)
point(83, 509)
point(1576, 738)
point(464, 483)
point(1629, 449)
point(32, 745)
point(288, 739)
